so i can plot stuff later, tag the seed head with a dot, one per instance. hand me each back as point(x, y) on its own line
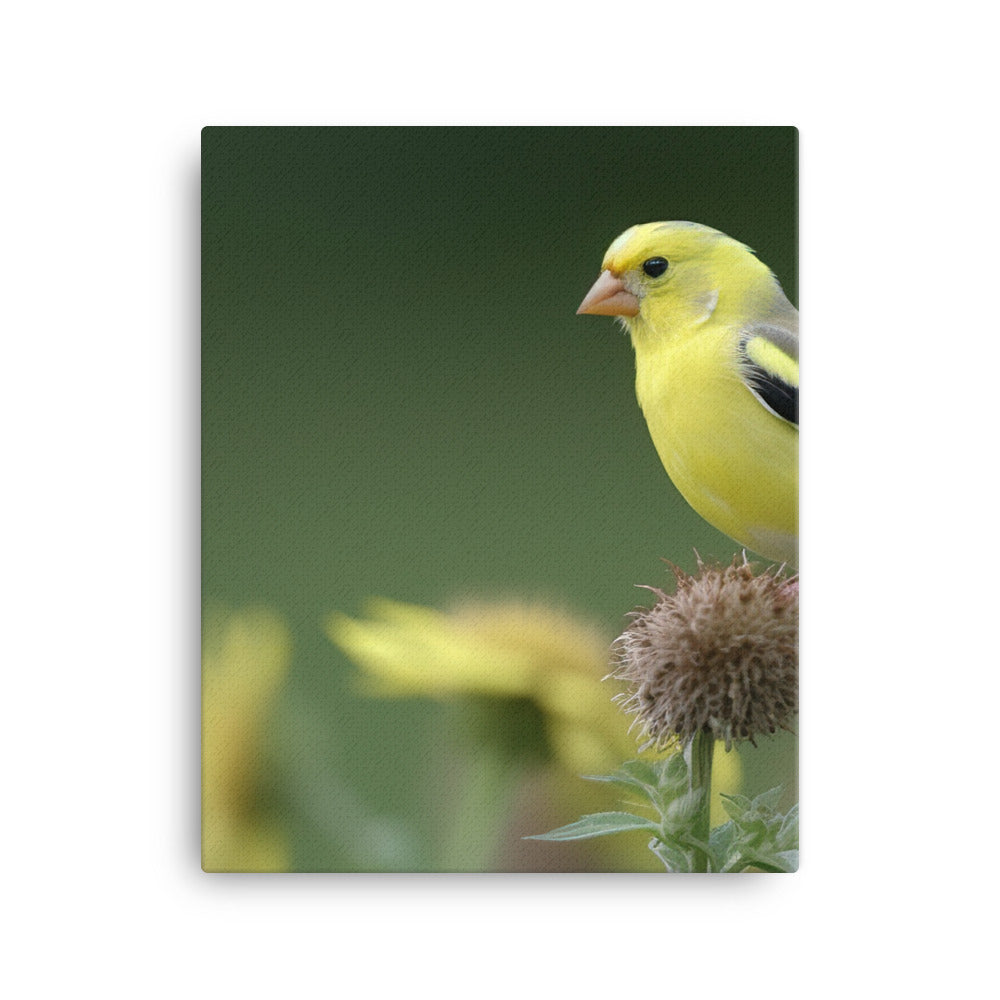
point(718, 655)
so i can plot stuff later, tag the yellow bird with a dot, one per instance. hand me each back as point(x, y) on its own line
point(717, 374)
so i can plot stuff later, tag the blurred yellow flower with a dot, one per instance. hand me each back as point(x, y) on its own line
point(509, 650)
point(245, 657)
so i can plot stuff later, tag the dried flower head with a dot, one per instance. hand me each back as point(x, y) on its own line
point(719, 655)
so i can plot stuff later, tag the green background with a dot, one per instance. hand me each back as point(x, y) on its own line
point(399, 400)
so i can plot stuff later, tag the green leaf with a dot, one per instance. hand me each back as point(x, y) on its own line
point(788, 833)
point(674, 859)
point(757, 836)
point(671, 772)
point(681, 812)
point(634, 774)
point(659, 782)
point(734, 865)
point(672, 780)
point(640, 770)
point(768, 801)
point(720, 845)
point(790, 859)
point(735, 805)
point(781, 862)
point(598, 825)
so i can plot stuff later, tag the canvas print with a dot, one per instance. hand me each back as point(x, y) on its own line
point(499, 499)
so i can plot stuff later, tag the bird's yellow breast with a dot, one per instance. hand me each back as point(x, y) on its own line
point(733, 461)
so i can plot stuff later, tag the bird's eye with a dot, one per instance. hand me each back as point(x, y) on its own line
point(655, 266)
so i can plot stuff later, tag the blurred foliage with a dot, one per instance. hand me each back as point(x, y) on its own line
point(398, 399)
point(245, 658)
point(512, 662)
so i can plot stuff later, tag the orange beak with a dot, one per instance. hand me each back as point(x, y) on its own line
point(609, 297)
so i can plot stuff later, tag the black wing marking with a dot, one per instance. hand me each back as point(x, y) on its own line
point(774, 384)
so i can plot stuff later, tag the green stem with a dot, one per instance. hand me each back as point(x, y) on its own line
point(699, 753)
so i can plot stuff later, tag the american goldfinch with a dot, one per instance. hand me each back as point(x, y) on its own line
point(717, 374)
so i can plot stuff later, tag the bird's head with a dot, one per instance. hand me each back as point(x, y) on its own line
point(677, 272)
